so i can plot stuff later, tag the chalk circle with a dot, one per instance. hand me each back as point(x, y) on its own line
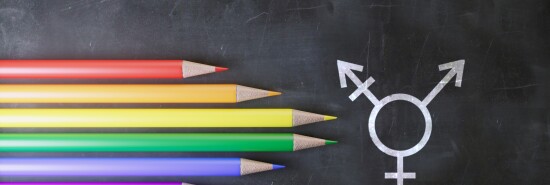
point(427, 129)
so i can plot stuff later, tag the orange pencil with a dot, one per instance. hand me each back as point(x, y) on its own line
point(123, 93)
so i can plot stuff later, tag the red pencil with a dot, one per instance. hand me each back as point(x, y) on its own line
point(103, 69)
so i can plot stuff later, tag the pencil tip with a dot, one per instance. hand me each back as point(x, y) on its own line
point(220, 69)
point(273, 93)
point(304, 142)
point(190, 69)
point(249, 166)
point(330, 142)
point(276, 167)
point(302, 117)
point(248, 93)
point(329, 118)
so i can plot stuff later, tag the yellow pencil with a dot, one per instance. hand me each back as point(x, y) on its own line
point(122, 93)
point(157, 118)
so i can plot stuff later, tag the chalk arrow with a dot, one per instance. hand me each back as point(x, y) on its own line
point(344, 69)
point(456, 69)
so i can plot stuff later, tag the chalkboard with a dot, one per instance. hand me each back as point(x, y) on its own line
point(494, 129)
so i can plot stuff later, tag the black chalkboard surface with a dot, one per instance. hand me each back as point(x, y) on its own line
point(494, 129)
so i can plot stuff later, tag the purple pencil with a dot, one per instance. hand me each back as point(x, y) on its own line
point(131, 166)
point(94, 183)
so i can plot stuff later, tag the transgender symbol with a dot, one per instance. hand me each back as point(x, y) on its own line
point(345, 69)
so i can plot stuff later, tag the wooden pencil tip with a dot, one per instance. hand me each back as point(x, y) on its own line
point(250, 166)
point(220, 69)
point(327, 118)
point(303, 142)
point(248, 93)
point(302, 118)
point(330, 142)
point(190, 69)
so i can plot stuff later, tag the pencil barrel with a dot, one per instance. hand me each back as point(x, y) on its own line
point(188, 142)
point(92, 183)
point(118, 93)
point(105, 69)
point(145, 118)
point(130, 166)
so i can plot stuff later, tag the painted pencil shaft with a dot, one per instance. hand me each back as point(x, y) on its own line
point(123, 93)
point(71, 69)
point(166, 142)
point(94, 183)
point(131, 166)
point(157, 118)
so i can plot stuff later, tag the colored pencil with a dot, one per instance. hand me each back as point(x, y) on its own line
point(123, 93)
point(132, 166)
point(166, 142)
point(71, 69)
point(157, 118)
point(94, 183)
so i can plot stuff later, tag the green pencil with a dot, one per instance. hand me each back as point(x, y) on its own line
point(166, 142)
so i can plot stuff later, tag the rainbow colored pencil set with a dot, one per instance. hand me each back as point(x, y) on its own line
point(124, 118)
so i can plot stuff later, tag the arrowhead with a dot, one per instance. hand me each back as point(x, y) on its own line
point(344, 68)
point(456, 67)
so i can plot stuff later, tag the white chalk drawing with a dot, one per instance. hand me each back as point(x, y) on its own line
point(345, 69)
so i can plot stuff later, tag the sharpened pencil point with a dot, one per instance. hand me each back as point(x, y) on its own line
point(302, 117)
point(250, 166)
point(273, 93)
point(304, 142)
point(248, 93)
point(220, 69)
point(329, 142)
point(276, 167)
point(330, 118)
point(190, 69)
